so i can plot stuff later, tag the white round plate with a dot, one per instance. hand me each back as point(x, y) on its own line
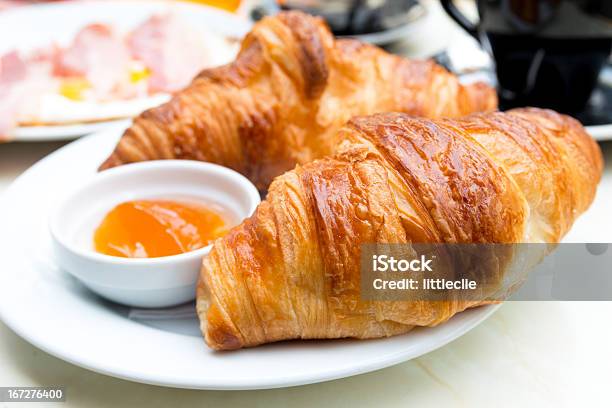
point(600, 133)
point(395, 34)
point(61, 132)
point(39, 25)
point(51, 310)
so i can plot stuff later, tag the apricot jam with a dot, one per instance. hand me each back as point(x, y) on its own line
point(154, 228)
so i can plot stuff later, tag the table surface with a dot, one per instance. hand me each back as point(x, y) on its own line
point(528, 353)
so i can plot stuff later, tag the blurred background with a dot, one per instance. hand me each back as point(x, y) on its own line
point(56, 82)
point(545, 53)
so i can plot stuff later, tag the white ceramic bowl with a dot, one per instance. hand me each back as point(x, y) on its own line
point(143, 282)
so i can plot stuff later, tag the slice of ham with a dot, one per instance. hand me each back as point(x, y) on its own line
point(102, 57)
point(13, 70)
point(173, 51)
point(7, 4)
point(21, 84)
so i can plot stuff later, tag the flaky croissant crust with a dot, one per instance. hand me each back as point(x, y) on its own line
point(283, 100)
point(292, 270)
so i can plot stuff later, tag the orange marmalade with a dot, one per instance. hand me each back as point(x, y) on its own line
point(154, 228)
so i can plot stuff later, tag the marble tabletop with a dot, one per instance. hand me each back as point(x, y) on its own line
point(545, 354)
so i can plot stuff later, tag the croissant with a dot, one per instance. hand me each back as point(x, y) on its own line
point(291, 271)
point(284, 98)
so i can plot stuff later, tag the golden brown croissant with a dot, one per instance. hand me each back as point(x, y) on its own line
point(283, 100)
point(292, 270)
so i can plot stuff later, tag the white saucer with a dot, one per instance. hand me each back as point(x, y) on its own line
point(51, 310)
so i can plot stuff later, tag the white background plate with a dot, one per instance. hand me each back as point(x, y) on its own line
point(32, 27)
point(55, 313)
point(600, 132)
point(63, 132)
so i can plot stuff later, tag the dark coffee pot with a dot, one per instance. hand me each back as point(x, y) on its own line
point(547, 53)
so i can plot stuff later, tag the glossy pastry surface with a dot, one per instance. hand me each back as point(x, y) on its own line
point(292, 271)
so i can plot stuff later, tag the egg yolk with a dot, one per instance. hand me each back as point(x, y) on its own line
point(154, 228)
point(139, 74)
point(74, 88)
